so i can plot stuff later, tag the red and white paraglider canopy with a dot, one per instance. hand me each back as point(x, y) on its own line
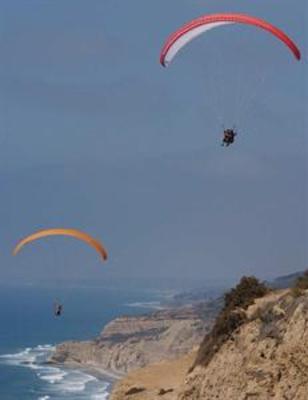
point(191, 30)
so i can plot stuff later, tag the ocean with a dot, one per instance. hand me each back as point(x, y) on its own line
point(29, 331)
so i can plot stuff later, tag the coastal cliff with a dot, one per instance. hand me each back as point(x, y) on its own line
point(266, 357)
point(128, 343)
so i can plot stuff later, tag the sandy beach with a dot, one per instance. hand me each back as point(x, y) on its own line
point(151, 381)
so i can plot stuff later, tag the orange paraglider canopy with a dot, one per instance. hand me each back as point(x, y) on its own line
point(63, 232)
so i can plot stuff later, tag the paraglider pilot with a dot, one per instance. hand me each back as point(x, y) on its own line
point(229, 136)
point(58, 309)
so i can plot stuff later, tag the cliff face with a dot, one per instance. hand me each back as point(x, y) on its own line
point(128, 343)
point(266, 359)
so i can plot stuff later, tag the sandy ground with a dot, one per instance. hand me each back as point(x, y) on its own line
point(156, 381)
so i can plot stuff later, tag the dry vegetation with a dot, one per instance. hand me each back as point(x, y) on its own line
point(231, 317)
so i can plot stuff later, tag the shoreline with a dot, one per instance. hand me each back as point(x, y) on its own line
point(92, 369)
point(105, 376)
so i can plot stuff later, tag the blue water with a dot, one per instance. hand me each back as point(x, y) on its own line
point(29, 330)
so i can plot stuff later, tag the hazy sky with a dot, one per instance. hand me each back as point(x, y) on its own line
point(96, 135)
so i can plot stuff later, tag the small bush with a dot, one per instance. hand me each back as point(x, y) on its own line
point(296, 292)
point(302, 282)
point(162, 392)
point(300, 285)
point(135, 390)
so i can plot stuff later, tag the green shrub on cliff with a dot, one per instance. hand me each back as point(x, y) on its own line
point(231, 317)
point(301, 284)
point(244, 294)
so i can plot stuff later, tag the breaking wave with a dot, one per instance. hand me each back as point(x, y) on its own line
point(56, 382)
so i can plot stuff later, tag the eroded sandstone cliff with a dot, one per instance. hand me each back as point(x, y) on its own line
point(128, 343)
point(265, 358)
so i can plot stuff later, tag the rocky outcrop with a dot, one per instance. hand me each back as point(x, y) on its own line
point(128, 343)
point(266, 359)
